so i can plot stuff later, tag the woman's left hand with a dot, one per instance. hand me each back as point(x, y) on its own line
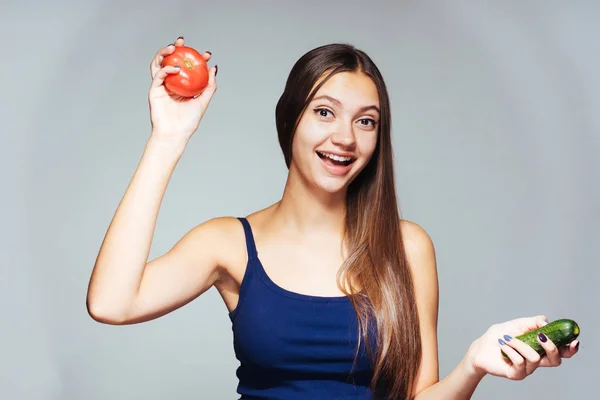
point(485, 356)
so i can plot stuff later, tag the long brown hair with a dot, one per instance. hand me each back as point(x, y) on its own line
point(376, 269)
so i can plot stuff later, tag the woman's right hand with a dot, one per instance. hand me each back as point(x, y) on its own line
point(173, 117)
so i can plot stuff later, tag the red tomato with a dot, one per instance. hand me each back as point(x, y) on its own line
point(193, 75)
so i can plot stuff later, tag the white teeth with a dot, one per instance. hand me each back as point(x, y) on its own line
point(334, 157)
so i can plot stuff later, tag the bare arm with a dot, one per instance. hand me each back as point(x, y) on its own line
point(124, 252)
point(461, 383)
point(483, 356)
point(421, 256)
point(124, 287)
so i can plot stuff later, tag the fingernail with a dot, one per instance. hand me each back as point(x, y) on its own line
point(507, 338)
point(216, 69)
point(180, 37)
point(177, 66)
point(502, 343)
point(542, 337)
point(208, 52)
point(546, 319)
point(577, 346)
point(170, 44)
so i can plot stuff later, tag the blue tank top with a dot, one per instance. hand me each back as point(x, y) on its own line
point(295, 346)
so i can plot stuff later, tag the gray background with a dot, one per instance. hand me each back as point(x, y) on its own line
point(495, 110)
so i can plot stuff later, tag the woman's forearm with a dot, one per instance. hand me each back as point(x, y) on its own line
point(459, 385)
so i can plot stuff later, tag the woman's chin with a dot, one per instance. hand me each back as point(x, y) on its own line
point(332, 186)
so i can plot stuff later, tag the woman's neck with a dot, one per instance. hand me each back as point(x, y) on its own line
point(308, 210)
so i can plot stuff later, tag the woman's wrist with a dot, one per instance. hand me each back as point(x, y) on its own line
point(468, 365)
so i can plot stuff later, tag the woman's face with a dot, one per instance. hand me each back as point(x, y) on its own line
point(337, 133)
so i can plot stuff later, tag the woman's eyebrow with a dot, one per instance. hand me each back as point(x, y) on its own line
point(339, 103)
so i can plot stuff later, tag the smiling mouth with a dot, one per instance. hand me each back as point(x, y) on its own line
point(335, 160)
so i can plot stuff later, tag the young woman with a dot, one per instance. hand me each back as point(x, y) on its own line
point(331, 295)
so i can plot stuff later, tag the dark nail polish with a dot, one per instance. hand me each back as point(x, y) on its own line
point(170, 44)
point(502, 343)
point(577, 346)
point(507, 338)
point(208, 52)
point(180, 37)
point(216, 69)
point(542, 337)
point(177, 66)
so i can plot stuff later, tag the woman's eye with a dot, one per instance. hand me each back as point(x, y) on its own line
point(367, 121)
point(323, 112)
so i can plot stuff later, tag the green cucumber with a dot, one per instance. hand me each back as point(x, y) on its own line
point(561, 332)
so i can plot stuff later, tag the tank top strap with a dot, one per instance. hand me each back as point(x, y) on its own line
point(250, 245)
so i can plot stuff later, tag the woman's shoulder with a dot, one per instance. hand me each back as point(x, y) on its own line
point(228, 242)
point(418, 244)
point(230, 226)
point(420, 255)
point(414, 234)
point(227, 233)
